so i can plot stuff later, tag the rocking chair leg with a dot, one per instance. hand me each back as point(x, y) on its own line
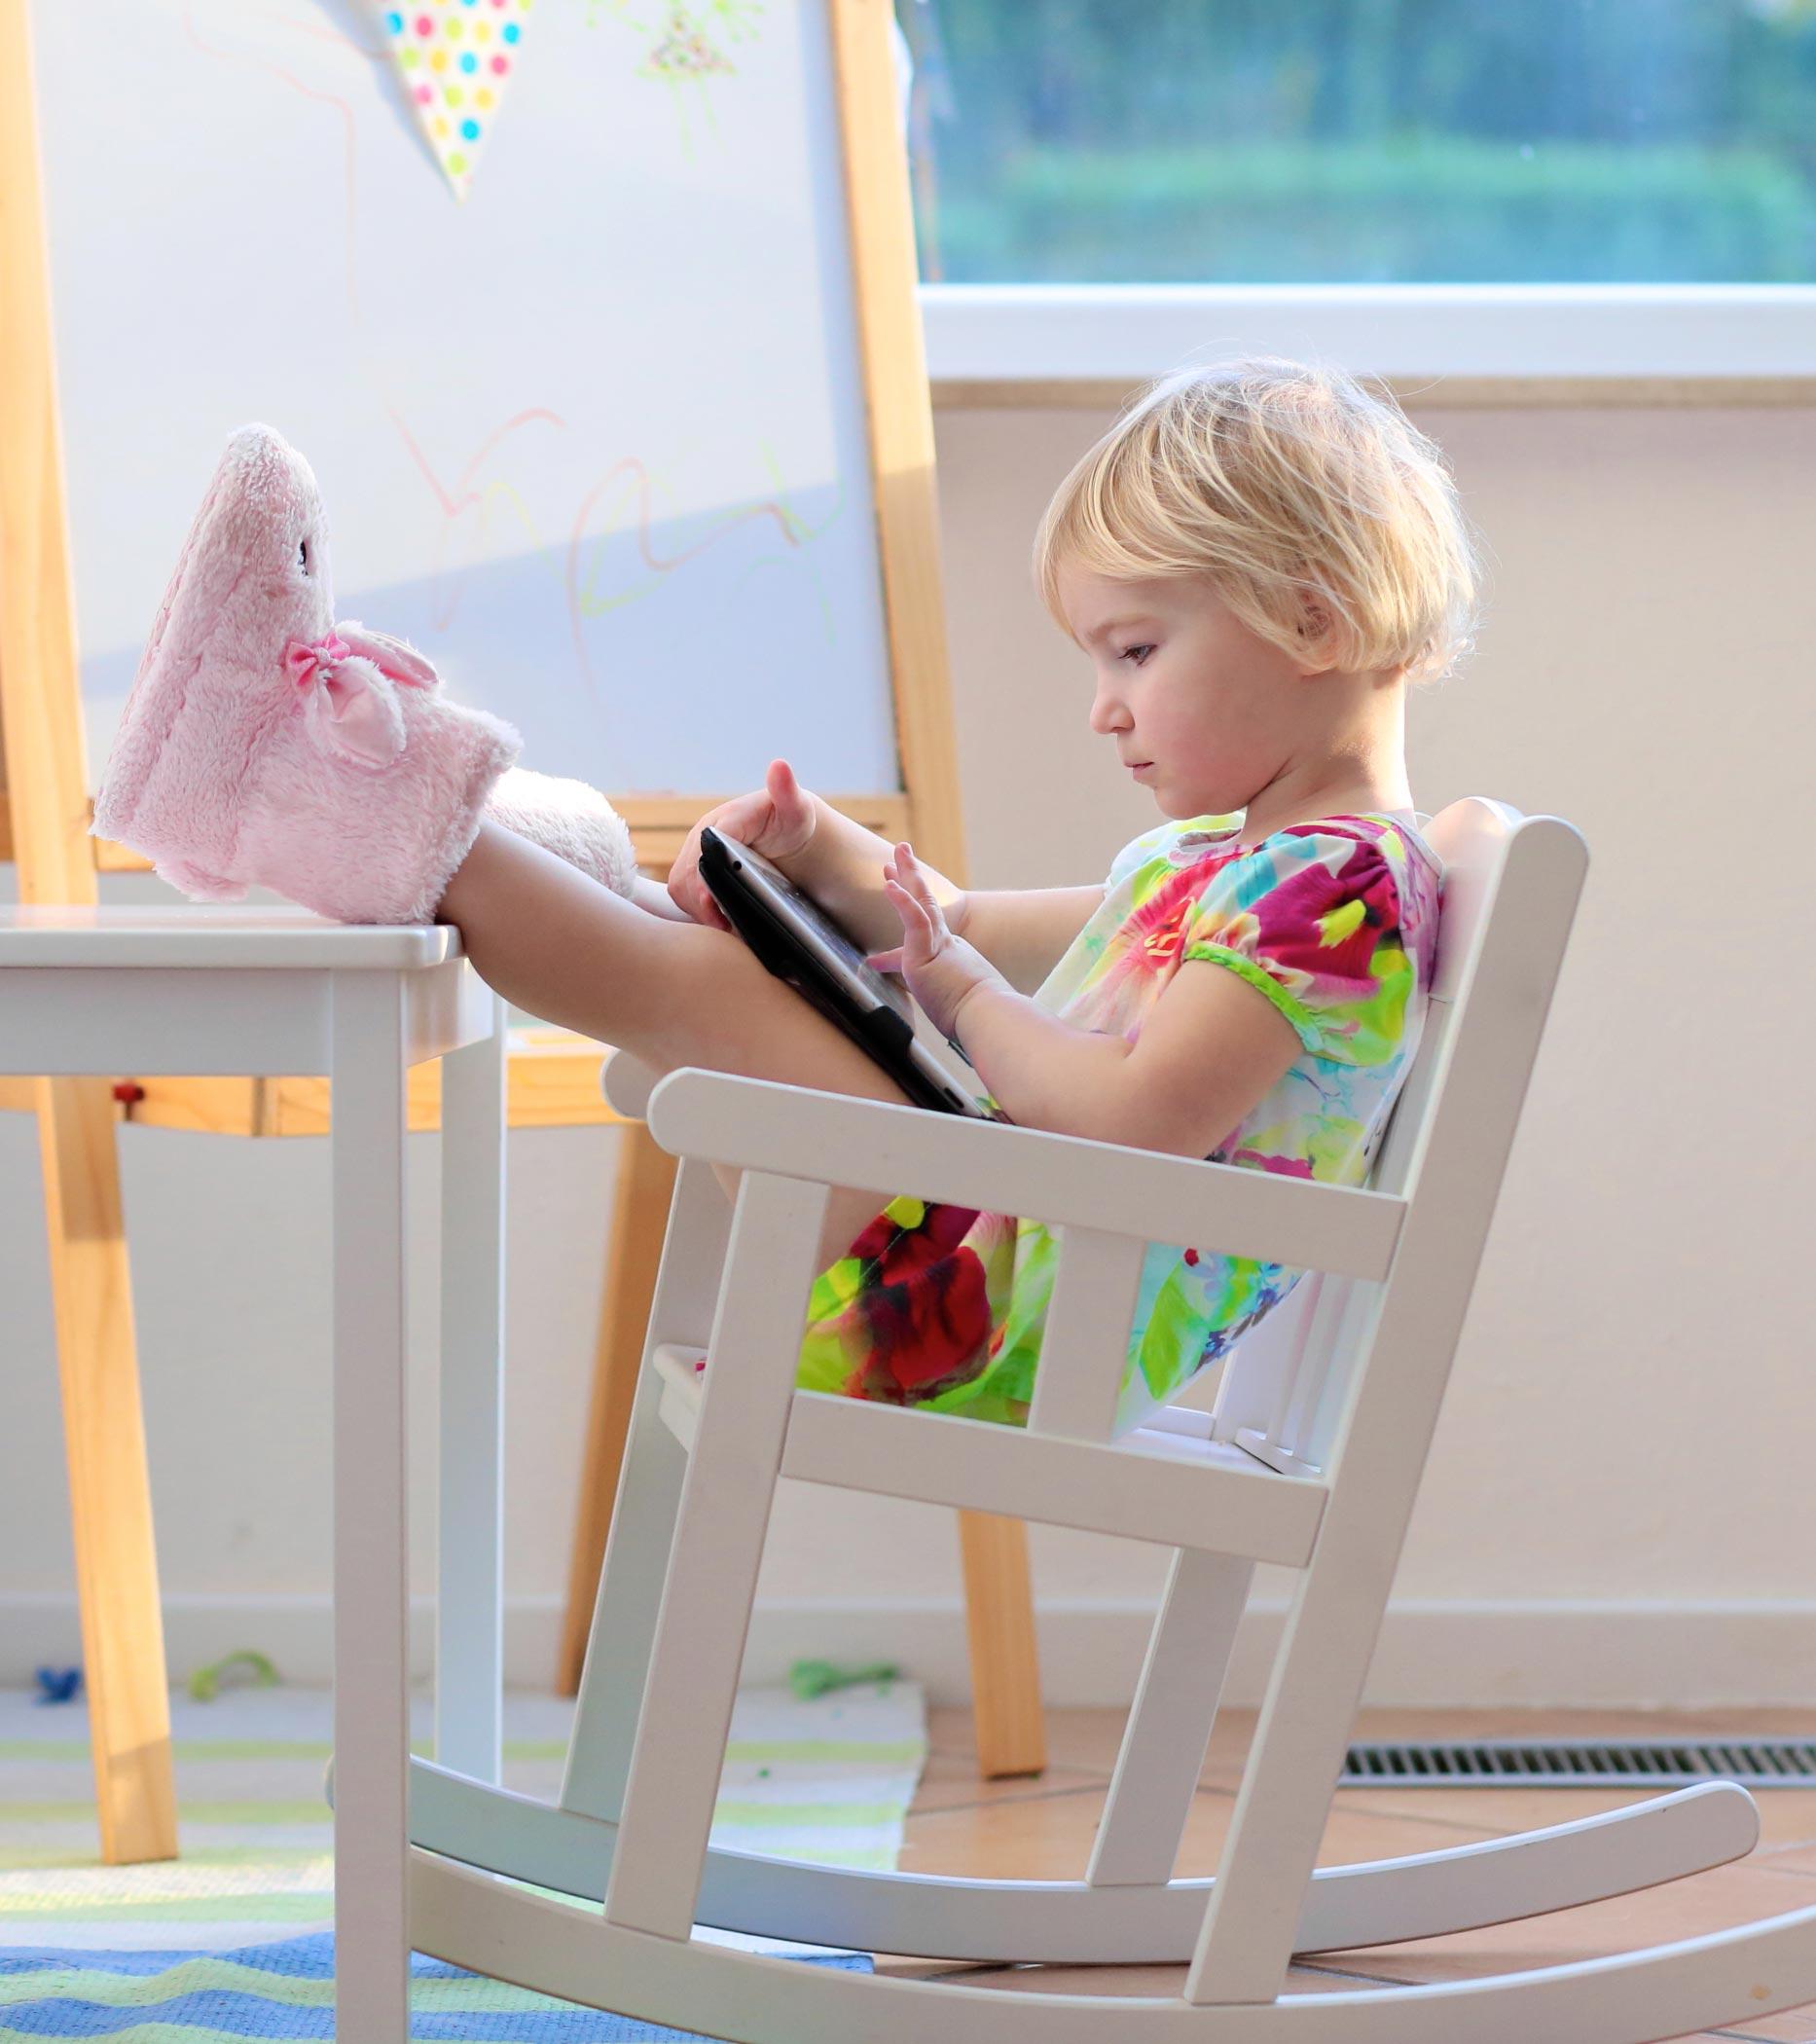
point(629, 1588)
point(717, 1551)
point(623, 1620)
point(998, 1596)
point(1245, 1943)
point(1169, 1727)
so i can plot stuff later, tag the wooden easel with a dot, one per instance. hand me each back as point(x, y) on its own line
point(44, 785)
point(45, 810)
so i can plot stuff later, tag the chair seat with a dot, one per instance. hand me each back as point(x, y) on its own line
point(1167, 1483)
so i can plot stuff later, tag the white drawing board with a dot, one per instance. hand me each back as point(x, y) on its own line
point(593, 438)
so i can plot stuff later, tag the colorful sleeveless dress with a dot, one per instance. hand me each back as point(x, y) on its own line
point(1335, 921)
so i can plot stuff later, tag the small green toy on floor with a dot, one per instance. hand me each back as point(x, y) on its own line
point(814, 1678)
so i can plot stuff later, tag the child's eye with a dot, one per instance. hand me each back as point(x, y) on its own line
point(1138, 654)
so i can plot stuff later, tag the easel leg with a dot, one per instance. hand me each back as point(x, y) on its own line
point(639, 1218)
point(1006, 1670)
point(109, 1488)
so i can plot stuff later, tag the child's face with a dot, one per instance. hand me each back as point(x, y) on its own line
point(1184, 686)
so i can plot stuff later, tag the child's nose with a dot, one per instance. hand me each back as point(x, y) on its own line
point(1108, 716)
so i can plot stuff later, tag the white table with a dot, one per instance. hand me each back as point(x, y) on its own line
point(271, 992)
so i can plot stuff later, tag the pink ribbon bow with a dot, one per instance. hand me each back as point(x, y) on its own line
point(346, 711)
point(304, 661)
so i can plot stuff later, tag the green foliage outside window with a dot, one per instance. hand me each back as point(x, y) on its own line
point(1327, 142)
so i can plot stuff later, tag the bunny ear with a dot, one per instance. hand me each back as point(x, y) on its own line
point(352, 712)
point(390, 656)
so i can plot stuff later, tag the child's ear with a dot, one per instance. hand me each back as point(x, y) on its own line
point(1317, 635)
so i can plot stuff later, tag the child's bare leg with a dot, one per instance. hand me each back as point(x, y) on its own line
point(556, 942)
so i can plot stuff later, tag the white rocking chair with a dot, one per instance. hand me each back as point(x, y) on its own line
point(1312, 1458)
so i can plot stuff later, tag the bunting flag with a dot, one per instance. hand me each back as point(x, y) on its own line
point(456, 58)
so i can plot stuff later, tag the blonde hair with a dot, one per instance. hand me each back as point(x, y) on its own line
point(1295, 492)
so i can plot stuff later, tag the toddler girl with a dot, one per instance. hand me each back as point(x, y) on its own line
point(1257, 559)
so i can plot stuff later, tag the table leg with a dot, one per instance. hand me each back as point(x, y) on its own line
point(371, 1553)
point(469, 1607)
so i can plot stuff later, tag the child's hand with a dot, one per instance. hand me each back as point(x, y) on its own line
point(777, 821)
point(941, 969)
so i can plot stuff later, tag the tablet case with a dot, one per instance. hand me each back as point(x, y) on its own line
point(800, 943)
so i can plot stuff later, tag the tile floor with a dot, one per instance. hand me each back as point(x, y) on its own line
point(1042, 1828)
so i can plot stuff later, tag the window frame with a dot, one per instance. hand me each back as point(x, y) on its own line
point(979, 335)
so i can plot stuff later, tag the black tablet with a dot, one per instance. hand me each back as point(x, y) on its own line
point(799, 942)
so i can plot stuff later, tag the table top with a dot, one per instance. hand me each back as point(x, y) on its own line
point(222, 936)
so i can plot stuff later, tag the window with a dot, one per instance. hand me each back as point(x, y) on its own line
point(1267, 142)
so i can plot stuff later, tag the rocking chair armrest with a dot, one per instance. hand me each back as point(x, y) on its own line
point(888, 1149)
point(627, 1082)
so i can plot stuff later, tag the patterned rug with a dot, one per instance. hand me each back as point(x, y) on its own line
point(233, 1940)
point(284, 1991)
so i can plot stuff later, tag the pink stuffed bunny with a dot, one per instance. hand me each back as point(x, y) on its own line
point(265, 743)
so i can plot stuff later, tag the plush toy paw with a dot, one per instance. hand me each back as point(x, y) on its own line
point(265, 745)
point(571, 819)
point(197, 885)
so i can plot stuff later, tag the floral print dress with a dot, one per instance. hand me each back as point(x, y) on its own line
point(1334, 922)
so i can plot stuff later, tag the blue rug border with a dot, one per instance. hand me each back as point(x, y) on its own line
point(307, 1958)
point(243, 2012)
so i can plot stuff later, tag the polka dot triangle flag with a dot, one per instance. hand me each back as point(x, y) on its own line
point(457, 57)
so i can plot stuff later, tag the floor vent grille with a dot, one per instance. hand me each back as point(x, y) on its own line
point(1758, 1763)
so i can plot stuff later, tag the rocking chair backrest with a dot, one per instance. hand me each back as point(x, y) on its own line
point(1285, 1384)
point(1513, 884)
point(1472, 838)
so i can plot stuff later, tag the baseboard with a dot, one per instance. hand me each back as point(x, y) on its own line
point(1430, 1655)
point(1612, 1655)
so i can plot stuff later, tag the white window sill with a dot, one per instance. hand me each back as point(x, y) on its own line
point(1122, 334)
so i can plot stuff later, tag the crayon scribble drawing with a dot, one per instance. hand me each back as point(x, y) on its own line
point(685, 46)
point(610, 554)
point(614, 557)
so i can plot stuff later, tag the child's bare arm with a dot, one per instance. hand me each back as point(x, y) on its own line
point(1021, 931)
point(1213, 1047)
point(842, 867)
point(1024, 932)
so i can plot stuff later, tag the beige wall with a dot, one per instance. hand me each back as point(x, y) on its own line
point(1633, 1408)
point(1620, 1502)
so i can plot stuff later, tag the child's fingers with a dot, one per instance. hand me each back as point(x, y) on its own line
point(904, 901)
point(913, 878)
point(917, 931)
point(784, 791)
